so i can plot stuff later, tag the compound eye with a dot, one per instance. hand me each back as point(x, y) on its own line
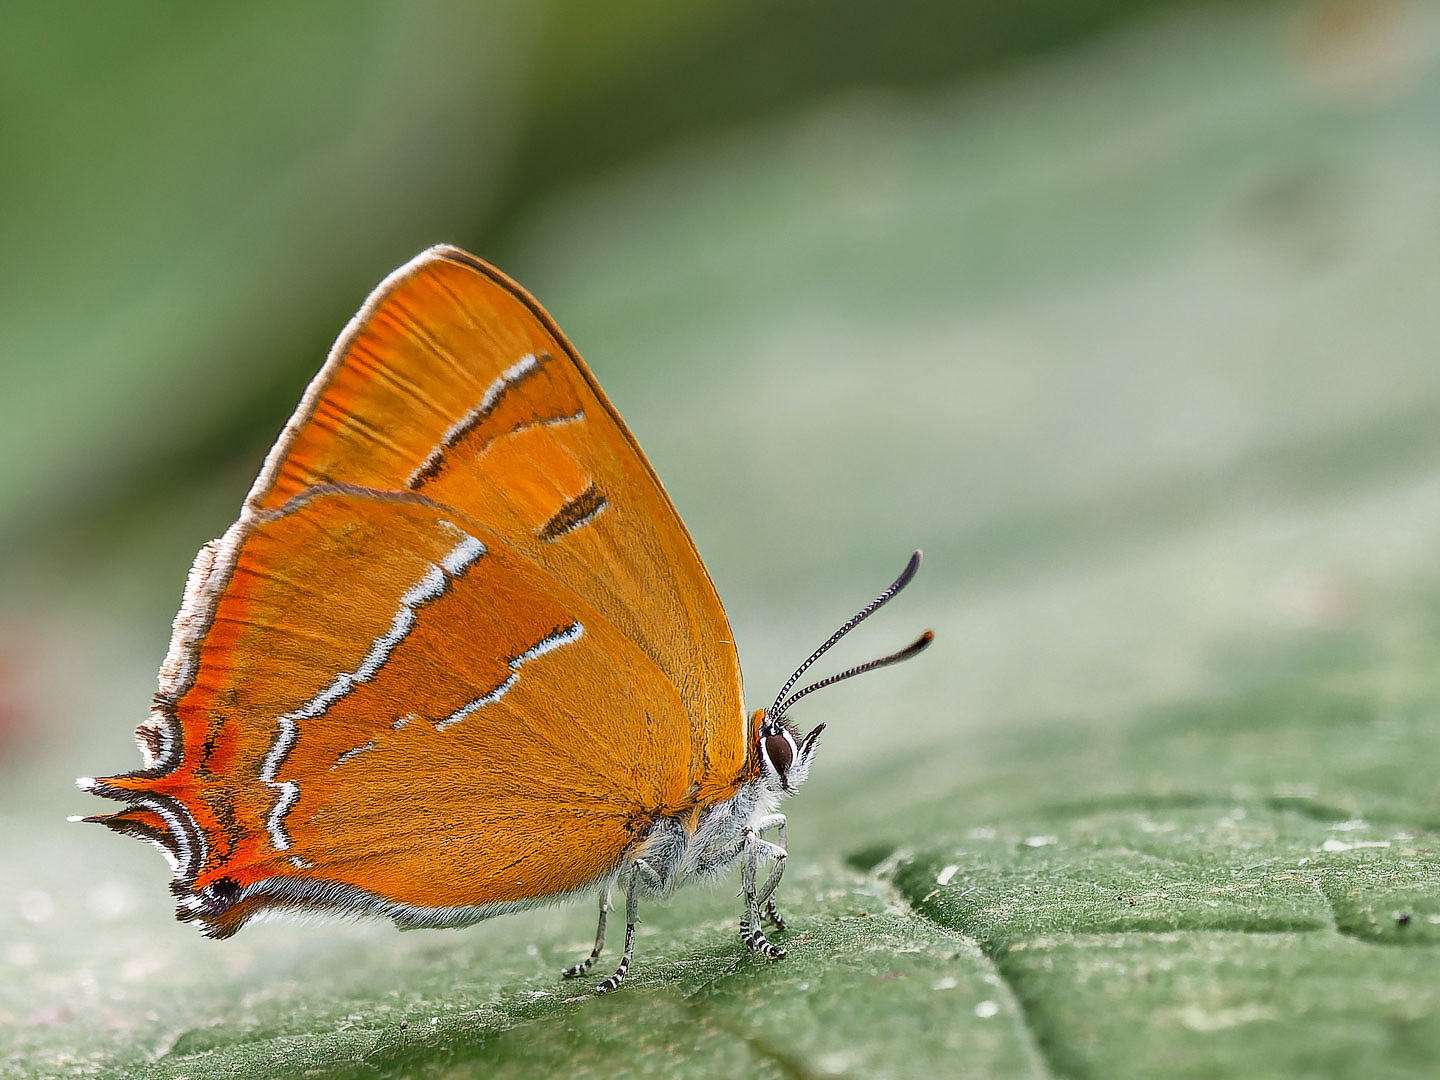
point(780, 749)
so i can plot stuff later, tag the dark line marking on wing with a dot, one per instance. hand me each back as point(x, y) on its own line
point(527, 366)
point(578, 512)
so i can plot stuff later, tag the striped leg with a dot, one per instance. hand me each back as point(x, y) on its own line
point(585, 965)
point(632, 908)
point(755, 849)
point(773, 916)
point(772, 913)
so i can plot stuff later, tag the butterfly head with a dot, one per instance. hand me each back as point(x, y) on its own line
point(784, 755)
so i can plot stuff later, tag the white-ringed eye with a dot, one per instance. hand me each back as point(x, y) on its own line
point(780, 749)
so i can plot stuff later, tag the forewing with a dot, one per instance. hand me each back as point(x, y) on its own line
point(454, 383)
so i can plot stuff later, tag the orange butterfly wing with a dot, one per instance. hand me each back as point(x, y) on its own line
point(458, 652)
point(453, 382)
point(388, 708)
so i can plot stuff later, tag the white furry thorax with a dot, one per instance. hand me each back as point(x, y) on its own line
point(678, 856)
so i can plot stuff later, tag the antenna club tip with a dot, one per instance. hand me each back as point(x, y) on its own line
point(918, 646)
point(906, 576)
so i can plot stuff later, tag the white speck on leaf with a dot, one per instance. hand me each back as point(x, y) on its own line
point(1197, 1019)
point(836, 1064)
point(1340, 845)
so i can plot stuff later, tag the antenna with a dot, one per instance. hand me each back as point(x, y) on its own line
point(782, 703)
point(915, 648)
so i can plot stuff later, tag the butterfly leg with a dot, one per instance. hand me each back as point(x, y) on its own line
point(772, 913)
point(773, 916)
point(585, 965)
point(756, 849)
point(646, 871)
point(632, 909)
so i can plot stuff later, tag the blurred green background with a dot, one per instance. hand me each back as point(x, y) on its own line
point(1125, 311)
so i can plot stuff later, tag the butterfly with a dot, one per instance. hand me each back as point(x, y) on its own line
point(459, 656)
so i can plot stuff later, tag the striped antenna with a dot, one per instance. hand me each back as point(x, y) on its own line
point(782, 703)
